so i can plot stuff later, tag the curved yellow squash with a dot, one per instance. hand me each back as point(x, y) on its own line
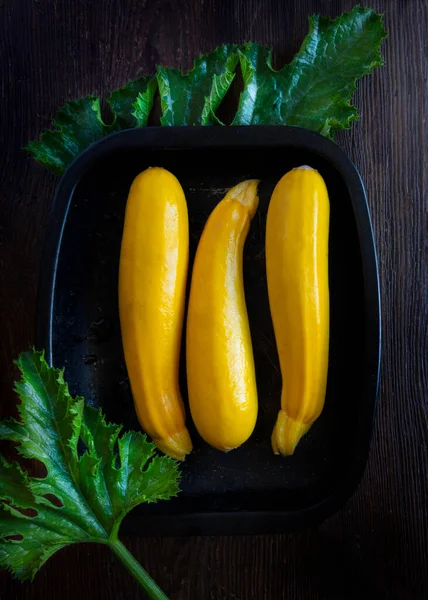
point(297, 274)
point(220, 365)
point(152, 285)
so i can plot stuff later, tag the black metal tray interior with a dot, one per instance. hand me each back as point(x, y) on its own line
point(248, 489)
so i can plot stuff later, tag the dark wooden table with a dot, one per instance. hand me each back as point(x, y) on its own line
point(377, 546)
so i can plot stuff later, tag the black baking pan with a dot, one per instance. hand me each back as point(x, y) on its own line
point(248, 489)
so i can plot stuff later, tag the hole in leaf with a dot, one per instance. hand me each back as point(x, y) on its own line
point(106, 112)
point(117, 462)
point(33, 467)
point(27, 512)
point(155, 112)
point(14, 538)
point(229, 105)
point(81, 447)
point(54, 500)
point(279, 58)
point(8, 450)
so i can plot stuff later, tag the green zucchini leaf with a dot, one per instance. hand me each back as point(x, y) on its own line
point(193, 98)
point(132, 104)
point(78, 124)
point(96, 487)
point(314, 90)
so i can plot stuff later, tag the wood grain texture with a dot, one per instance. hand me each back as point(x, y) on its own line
point(52, 51)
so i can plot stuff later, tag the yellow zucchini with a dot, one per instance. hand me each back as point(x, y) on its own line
point(220, 365)
point(297, 274)
point(152, 285)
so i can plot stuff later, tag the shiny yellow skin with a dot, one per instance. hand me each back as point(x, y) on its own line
point(220, 364)
point(152, 286)
point(297, 274)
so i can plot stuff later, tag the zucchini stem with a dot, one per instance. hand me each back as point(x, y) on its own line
point(151, 588)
